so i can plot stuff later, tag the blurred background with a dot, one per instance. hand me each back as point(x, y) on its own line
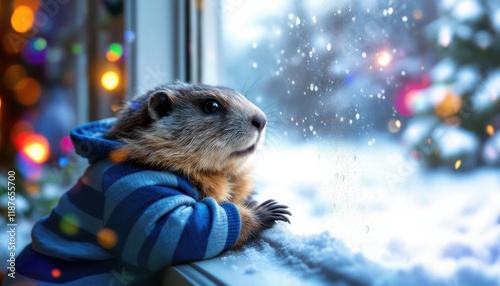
point(379, 111)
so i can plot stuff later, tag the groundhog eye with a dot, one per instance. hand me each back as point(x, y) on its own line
point(211, 106)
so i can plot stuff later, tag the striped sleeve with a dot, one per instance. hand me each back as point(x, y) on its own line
point(158, 225)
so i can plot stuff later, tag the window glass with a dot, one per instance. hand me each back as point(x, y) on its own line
point(383, 124)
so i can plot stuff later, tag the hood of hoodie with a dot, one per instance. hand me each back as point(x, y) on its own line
point(89, 140)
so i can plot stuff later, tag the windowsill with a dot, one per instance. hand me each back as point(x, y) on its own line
point(264, 262)
point(217, 271)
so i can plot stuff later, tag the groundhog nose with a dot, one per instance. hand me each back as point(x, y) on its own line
point(259, 121)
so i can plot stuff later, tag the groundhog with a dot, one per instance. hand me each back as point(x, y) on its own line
point(168, 182)
point(207, 133)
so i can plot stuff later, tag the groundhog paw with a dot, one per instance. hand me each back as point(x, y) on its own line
point(269, 212)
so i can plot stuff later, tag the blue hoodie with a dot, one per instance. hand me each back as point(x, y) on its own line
point(122, 222)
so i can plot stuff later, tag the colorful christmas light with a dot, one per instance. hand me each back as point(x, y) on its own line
point(56, 273)
point(114, 53)
point(110, 80)
point(27, 91)
point(13, 74)
point(107, 238)
point(22, 19)
point(384, 59)
point(36, 148)
point(66, 144)
point(33, 4)
point(30, 170)
point(490, 130)
point(69, 225)
point(35, 51)
point(449, 105)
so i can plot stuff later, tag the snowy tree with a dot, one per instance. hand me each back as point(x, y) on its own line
point(456, 116)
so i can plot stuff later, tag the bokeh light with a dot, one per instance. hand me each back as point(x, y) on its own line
point(39, 44)
point(36, 147)
point(490, 130)
point(13, 74)
point(27, 91)
point(35, 51)
point(22, 19)
point(411, 96)
point(458, 163)
point(406, 102)
point(417, 14)
point(445, 36)
point(33, 4)
point(63, 162)
point(30, 170)
point(394, 125)
point(32, 188)
point(56, 273)
point(20, 130)
point(115, 52)
point(449, 105)
point(384, 59)
point(107, 238)
point(110, 80)
point(118, 156)
point(491, 151)
point(69, 225)
point(66, 144)
point(13, 43)
point(129, 36)
point(76, 48)
point(55, 55)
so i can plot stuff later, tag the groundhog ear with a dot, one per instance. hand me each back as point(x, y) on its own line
point(160, 104)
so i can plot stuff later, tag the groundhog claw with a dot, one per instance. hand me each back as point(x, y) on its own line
point(270, 211)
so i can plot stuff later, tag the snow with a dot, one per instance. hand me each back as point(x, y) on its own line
point(495, 19)
point(444, 70)
point(467, 79)
point(366, 214)
point(455, 142)
point(488, 93)
point(491, 151)
point(468, 11)
point(418, 129)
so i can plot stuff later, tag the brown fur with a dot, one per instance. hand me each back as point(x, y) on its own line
point(250, 225)
point(168, 128)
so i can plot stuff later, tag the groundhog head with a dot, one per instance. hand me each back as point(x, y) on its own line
point(190, 128)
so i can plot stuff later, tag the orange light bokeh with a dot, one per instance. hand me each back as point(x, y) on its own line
point(417, 14)
point(13, 74)
point(36, 147)
point(12, 42)
point(22, 19)
point(56, 273)
point(19, 132)
point(112, 57)
point(490, 130)
point(449, 106)
point(107, 238)
point(27, 91)
point(33, 4)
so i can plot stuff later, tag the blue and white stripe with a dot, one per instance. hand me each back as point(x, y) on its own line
point(157, 218)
